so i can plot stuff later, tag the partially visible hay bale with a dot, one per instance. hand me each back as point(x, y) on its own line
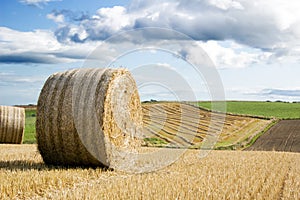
point(12, 124)
point(87, 117)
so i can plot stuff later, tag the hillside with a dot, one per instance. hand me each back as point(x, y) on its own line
point(181, 125)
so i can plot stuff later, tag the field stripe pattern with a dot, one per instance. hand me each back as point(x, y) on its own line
point(183, 125)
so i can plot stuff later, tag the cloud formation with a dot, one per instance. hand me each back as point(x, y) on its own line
point(81, 27)
point(258, 24)
point(235, 33)
point(281, 92)
point(36, 3)
point(39, 46)
point(64, 16)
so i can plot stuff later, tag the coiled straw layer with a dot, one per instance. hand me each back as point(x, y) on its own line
point(12, 124)
point(88, 117)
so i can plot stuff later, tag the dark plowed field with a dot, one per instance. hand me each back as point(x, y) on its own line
point(283, 136)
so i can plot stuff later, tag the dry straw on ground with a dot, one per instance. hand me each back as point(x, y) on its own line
point(220, 175)
point(88, 117)
point(12, 124)
point(182, 125)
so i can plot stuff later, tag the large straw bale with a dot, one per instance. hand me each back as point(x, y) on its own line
point(12, 124)
point(88, 117)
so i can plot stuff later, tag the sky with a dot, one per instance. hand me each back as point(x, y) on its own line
point(183, 50)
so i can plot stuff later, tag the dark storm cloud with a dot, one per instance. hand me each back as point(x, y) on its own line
point(35, 58)
point(25, 58)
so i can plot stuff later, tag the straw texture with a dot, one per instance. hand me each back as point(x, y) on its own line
point(12, 124)
point(88, 116)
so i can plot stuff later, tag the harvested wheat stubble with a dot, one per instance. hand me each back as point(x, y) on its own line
point(12, 124)
point(88, 117)
point(162, 120)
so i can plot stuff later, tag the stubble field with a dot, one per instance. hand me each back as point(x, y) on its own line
point(220, 175)
point(183, 125)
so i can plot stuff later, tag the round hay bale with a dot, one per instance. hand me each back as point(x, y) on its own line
point(12, 124)
point(88, 117)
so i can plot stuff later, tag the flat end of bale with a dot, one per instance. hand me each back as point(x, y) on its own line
point(12, 124)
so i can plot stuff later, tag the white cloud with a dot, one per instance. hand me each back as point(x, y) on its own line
point(6, 74)
point(56, 18)
point(13, 41)
point(114, 18)
point(166, 65)
point(228, 54)
point(37, 3)
point(286, 14)
point(258, 30)
point(39, 46)
point(104, 23)
point(226, 4)
point(260, 93)
point(271, 26)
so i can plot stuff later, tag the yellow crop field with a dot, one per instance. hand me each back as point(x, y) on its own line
point(220, 175)
point(183, 125)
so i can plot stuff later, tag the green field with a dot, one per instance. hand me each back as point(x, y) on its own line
point(280, 110)
point(29, 135)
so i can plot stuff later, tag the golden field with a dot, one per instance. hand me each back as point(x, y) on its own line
point(183, 125)
point(220, 175)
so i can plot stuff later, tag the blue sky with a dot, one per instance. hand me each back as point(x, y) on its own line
point(254, 45)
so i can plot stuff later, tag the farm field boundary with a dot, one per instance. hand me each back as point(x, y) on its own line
point(262, 109)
